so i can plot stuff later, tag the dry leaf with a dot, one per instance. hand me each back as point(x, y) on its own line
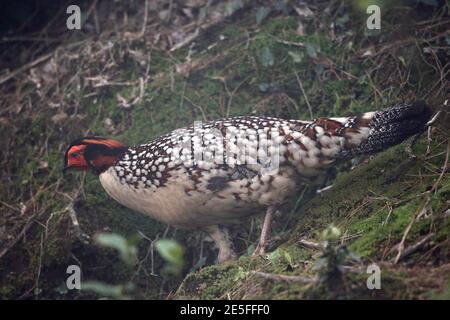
point(122, 101)
point(59, 117)
point(300, 29)
point(109, 125)
point(303, 11)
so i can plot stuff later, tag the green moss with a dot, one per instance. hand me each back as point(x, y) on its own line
point(213, 281)
point(376, 231)
point(443, 294)
point(231, 31)
point(278, 25)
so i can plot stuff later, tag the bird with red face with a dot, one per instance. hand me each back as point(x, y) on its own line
point(210, 176)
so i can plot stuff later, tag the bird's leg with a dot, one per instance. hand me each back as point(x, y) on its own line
point(222, 239)
point(265, 232)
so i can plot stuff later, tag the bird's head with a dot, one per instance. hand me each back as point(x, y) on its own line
point(94, 153)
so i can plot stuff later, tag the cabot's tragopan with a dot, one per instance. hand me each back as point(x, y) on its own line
point(218, 173)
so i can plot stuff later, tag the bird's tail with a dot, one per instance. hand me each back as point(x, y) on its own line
point(385, 128)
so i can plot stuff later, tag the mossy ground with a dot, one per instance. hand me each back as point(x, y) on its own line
point(238, 68)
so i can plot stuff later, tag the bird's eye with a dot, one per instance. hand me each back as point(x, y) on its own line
point(75, 154)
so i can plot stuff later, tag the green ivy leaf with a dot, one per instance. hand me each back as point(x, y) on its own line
point(297, 57)
point(172, 252)
point(275, 256)
point(261, 14)
point(232, 6)
point(311, 50)
point(341, 21)
point(332, 233)
point(127, 251)
point(266, 57)
point(105, 290)
point(240, 274)
point(288, 258)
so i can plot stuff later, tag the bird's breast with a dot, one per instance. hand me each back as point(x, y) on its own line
point(168, 204)
point(194, 202)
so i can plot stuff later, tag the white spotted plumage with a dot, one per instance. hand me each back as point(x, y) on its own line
point(198, 176)
point(216, 173)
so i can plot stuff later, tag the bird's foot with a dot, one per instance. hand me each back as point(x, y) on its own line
point(222, 239)
point(260, 249)
point(226, 255)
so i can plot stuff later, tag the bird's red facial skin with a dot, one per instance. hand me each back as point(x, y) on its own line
point(94, 153)
point(75, 158)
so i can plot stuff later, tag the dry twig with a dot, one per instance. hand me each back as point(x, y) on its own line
point(282, 277)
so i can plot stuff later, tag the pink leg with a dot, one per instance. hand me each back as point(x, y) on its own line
point(265, 232)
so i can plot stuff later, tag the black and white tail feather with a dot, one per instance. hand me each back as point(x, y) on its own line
point(391, 126)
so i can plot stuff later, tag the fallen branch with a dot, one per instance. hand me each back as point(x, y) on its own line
point(444, 169)
point(186, 41)
point(282, 277)
point(304, 95)
point(25, 67)
point(21, 234)
point(39, 60)
point(309, 244)
point(80, 234)
point(401, 245)
point(415, 247)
